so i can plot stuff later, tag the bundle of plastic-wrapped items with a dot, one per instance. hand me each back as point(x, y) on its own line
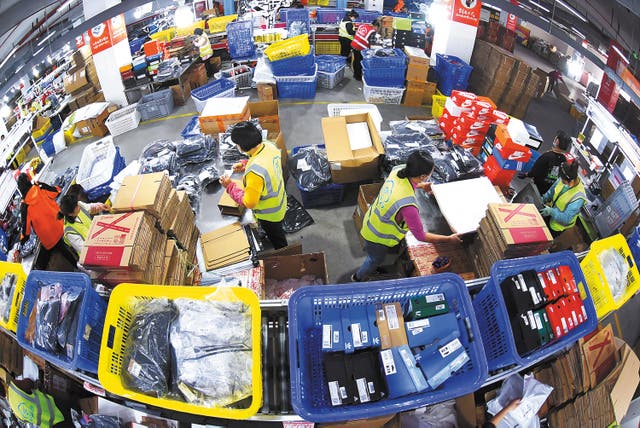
point(309, 165)
point(229, 152)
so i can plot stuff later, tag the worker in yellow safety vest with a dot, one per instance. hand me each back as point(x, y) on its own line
point(77, 219)
point(564, 199)
point(202, 42)
point(264, 188)
point(31, 405)
point(395, 212)
point(346, 31)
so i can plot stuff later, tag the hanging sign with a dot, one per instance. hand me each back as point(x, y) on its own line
point(117, 29)
point(99, 38)
point(466, 12)
point(512, 22)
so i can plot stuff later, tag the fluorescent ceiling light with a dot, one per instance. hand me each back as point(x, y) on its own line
point(539, 6)
point(615, 48)
point(38, 51)
point(46, 38)
point(543, 18)
point(575, 30)
point(20, 68)
point(492, 7)
point(8, 56)
point(572, 10)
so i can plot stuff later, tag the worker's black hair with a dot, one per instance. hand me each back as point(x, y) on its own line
point(246, 135)
point(198, 31)
point(68, 204)
point(377, 22)
point(353, 13)
point(569, 171)
point(418, 163)
point(24, 184)
point(564, 141)
point(78, 191)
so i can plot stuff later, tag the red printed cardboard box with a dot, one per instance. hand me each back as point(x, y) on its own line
point(119, 241)
point(519, 223)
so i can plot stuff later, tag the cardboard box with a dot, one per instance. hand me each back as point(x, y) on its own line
point(429, 92)
point(367, 193)
point(600, 354)
point(413, 95)
point(347, 165)
point(169, 212)
point(280, 268)
point(76, 82)
point(252, 279)
point(391, 325)
point(228, 206)
point(119, 240)
point(94, 126)
point(185, 219)
point(267, 114)
point(225, 246)
point(220, 113)
point(417, 72)
point(267, 91)
point(147, 192)
point(179, 96)
point(416, 56)
point(521, 217)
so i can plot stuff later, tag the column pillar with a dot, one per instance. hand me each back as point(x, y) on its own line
point(456, 25)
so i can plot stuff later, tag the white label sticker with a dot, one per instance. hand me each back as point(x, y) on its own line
point(392, 317)
point(336, 166)
point(356, 334)
point(532, 321)
point(134, 368)
point(543, 283)
point(418, 324)
point(440, 307)
point(552, 276)
point(538, 321)
point(333, 392)
point(406, 357)
point(365, 336)
point(381, 316)
point(326, 336)
point(564, 325)
point(534, 295)
point(450, 347)
point(303, 165)
point(521, 284)
point(372, 388)
point(387, 362)
point(363, 391)
point(336, 336)
point(415, 331)
point(343, 392)
point(575, 317)
point(432, 298)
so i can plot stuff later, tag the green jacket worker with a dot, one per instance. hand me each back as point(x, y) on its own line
point(564, 199)
point(395, 211)
point(264, 189)
point(33, 406)
point(77, 219)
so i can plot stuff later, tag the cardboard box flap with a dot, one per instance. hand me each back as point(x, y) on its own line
point(264, 108)
point(296, 266)
point(337, 140)
point(625, 387)
point(144, 191)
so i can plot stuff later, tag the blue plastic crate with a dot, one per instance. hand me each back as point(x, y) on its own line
point(240, 39)
point(453, 73)
point(294, 66)
point(634, 245)
point(48, 146)
point(330, 16)
point(99, 192)
point(302, 87)
point(91, 315)
point(493, 318)
point(330, 63)
point(391, 76)
point(218, 88)
point(291, 15)
point(192, 128)
point(367, 16)
point(371, 61)
point(309, 394)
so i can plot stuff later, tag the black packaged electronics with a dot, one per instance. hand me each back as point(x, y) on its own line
point(426, 331)
point(364, 369)
point(341, 386)
point(427, 306)
point(402, 375)
point(525, 333)
point(522, 292)
point(332, 337)
point(439, 364)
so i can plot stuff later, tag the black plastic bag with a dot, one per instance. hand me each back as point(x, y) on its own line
point(310, 168)
point(296, 217)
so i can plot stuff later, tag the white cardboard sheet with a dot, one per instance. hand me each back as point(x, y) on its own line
point(359, 136)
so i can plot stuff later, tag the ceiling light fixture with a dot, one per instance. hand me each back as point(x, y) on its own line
point(578, 33)
point(184, 16)
point(615, 48)
point(571, 10)
point(46, 38)
point(5, 111)
point(539, 6)
point(8, 56)
point(543, 18)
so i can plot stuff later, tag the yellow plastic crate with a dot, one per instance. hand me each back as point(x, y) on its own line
point(164, 35)
point(597, 281)
point(323, 3)
point(116, 326)
point(188, 30)
point(40, 127)
point(219, 24)
point(437, 105)
point(295, 46)
point(327, 47)
point(21, 278)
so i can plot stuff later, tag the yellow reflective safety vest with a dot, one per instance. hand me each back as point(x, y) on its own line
point(379, 224)
point(267, 164)
point(205, 51)
point(36, 408)
point(342, 30)
point(562, 199)
point(80, 227)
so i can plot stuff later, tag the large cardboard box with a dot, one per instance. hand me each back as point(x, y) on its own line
point(267, 114)
point(416, 55)
point(120, 240)
point(147, 192)
point(414, 93)
point(367, 193)
point(348, 165)
point(280, 268)
point(267, 91)
point(95, 125)
point(520, 223)
point(220, 113)
point(417, 72)
point(429, 92)
point(76, 82)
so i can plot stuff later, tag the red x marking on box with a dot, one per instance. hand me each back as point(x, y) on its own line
point(113, 225)
point(514, 212)
point(600, 345)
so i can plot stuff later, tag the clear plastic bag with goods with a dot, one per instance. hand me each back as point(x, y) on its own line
point(310, 167)
point(532, 395)
point(424, 127)
point(192, 185)
point(7, 290)
point(196, 149)
point(615, 269)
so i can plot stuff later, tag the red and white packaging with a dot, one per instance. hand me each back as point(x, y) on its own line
point(483, 106)
point(463, 99)
point(499, 117)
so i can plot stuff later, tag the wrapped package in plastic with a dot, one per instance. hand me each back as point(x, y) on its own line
point(7, 290)
point(207, 172)
point(228, 149)
point(191, 184)
point(147, 356)
point(196, 149)
point(425, 127)
point(210, 334)
point(296, 218)
point(615, 269)
point(164, 161)
point(532, 395)
point(310, 167)
point(156, 148)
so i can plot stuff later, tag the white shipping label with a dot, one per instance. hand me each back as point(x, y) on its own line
point(532, 321)
point(418, 323)
point(440, 307)
point(336, 336)
point(363, 391)
point(372, 388)
point(303, 165)
point(381, 316)
point(388, 363)
point(356, 334)
point(392, 316)
point(450, 347)
point(415, 331)
point(134, 368)
point(326, 336)
point(521, 285)
point(336, 166)
point(333, 392)
point(343, 392)
point(552, 276)
point(534, 295)
point(433, 298)
point(564, 325)
point(365, 336)
point(538, 321)
point(575, 317)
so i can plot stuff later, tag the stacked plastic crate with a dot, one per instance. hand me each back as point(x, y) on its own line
point(330, 70)
point(294, 67)
point(153, 55)
point(383, 72)
point(453, 73)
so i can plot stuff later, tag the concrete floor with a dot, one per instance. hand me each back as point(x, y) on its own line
point(333, 231)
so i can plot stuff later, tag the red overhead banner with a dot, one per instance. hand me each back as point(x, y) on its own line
point(105, 35)
point(118, 29)
point(466, 12)
point(512, 22)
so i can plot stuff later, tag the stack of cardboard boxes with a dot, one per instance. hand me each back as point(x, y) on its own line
point(225, 246)
point(419, 91)
point(82, 80)
point(131, 245)
point(508, 231)
point(499, 75)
